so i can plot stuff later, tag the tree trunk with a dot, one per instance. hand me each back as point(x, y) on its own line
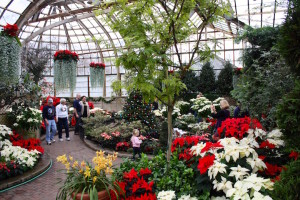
point(170, 133)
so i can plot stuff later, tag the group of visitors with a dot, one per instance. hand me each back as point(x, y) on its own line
point(224, 114)
point(57, 118)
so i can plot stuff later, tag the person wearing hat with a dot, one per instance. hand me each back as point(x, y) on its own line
point(49, 117)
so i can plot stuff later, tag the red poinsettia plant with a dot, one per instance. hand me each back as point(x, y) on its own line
point(97, 65)
point(29, 144)
point(136, 186)
point(238, 127)
point(66, 55)
point(10, 30)
point(122, 146)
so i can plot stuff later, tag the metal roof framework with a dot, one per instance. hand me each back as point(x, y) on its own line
point(72, 24)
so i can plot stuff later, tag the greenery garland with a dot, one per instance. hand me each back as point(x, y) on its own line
point(9, 59)
point(93, 99)
point(65, 74)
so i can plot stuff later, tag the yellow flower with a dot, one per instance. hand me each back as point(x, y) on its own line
point(80, 171)
point(109, 170)
point(67, 166)
point(87, 173)
point(82, 164)
point(97, 168)
point(62, 159)
point(94, 179)
point(71, 158)
point(75, 164)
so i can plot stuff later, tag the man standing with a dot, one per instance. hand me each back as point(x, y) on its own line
point(62, 116)
point(77, 113)
point(49, 117)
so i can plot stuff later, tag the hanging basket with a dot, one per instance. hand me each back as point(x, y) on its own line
point(9, 54)
point(97, 71)
point(65, 65)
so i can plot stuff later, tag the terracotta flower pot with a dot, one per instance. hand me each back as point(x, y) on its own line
point(102, 195)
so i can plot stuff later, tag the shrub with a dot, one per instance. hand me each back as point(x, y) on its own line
point(207, 79)
point(224, 82)
point(288, 116)
point(288, 185)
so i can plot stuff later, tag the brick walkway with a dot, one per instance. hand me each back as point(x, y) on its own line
point(46, 187)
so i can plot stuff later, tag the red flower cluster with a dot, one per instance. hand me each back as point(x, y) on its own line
point(135, 186)
point(238, 70)
point(171, 71)
point(187, 142)
point(210, 145)
point(266, 144)
point(65, 55)
point(11, 30)
point(205, 163)
point(9, 169)
point(97, 65)
point(122, 146)
point(272, 170)
point(91, 105)
point(29, 144)
point(238, 127)
point(294, 155)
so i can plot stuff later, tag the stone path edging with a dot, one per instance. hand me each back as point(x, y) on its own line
point(42, 166)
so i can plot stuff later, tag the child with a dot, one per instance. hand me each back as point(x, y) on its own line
point(136, 143)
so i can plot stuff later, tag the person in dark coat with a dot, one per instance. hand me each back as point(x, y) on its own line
point(49, 118)
point(221, 116)
point(77, 112)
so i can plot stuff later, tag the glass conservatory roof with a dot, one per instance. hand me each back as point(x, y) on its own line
point(72, 24)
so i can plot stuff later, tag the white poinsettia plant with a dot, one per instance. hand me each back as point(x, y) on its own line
point(231, 165)
point(199, 127)
point(202, 105)
point(170, 195)
point(175, 112)
point(30, 118)
point(8, 152)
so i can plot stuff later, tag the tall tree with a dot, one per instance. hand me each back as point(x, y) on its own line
point(207, 79)
point(150, 28)
point(224, 82)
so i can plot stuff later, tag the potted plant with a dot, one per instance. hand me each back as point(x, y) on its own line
point(65, 65)
point(97, 74)
point(85, 181)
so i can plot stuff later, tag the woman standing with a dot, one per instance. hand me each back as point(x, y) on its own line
point(62, 118)
point(221, 116)
point(85, 111)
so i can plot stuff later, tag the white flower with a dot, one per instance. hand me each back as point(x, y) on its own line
point(249, 141)
point(240, 191)
point(276, 142)
point(259, 196)
point(157, 113)
point(30, 120)
point(259, 133)
point(256, 164)
point(187, 197)
point(276, 133)
point(218, 198)
point(257, 183)
point(196, 150)
point(238, 172)
point(15, 124)
point(166, 195)
point(216, 168)
point(224, 185)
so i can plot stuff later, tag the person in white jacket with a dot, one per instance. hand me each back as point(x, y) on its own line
point(62, 118)
point(136, 143)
